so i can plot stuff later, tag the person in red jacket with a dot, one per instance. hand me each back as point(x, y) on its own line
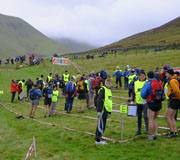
point(13, 90)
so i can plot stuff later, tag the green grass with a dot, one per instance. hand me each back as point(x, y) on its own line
point(54, 142)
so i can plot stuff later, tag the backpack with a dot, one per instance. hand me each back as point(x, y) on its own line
point(49, 92)
point(118, 74)
point(32, 94)
point(70, 88)
point(94, 82)
point(157, 92)
point(80, 87)
point(40, 83)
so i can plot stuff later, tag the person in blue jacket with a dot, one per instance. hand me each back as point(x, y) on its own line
point(153, 107)
point(118, 74)
point(35, 95)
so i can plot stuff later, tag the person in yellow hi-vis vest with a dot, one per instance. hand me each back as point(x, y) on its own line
point(49, 78)
point(55, 96)
point(141, 104)
point(131, 79)
point(66, 77)
point(104, 109)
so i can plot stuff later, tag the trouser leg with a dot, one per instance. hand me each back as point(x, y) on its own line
point(145, 116)
point(101, 126)
point(13, 96)
point(139, 117)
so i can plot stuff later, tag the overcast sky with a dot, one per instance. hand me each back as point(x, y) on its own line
point(98, 22)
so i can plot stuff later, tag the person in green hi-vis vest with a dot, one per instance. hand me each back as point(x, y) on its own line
point(104, 109)
point(141, 103)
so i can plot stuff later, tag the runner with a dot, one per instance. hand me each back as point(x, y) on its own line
point(35, 95)
point(47, 94)
point(81, 88)
point(174, 103)
point(152, 91)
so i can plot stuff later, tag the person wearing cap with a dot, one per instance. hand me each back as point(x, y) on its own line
point(118, 74)
point(153, 106)
point(131, 79)
point(104, 109)
point(174, 102)
point(141, 104)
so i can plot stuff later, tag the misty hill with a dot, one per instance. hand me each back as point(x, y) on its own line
point(166, 34)
point(74, 45)
point(17, 37)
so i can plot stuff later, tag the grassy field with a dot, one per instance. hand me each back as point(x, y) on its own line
point(55, 142)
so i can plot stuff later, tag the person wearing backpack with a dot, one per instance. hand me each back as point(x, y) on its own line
point(104, 109)
point(35, 95)
point(70, 92)
point(47, 94)
point(29, 84)
point(54, 99)
point(81, 88)
point(174, 102)
point(118, 74)
point(141, 105)
point(153, 92)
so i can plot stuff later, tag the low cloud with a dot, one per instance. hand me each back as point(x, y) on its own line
point(96, 22)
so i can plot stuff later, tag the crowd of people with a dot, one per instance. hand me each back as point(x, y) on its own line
point(33, 60)
point(94, 91)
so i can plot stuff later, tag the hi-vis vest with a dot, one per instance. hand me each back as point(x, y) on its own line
point(55, 96)
point(86, 81)
point(66, 77)
point(131, 78)
point(23, 85)
point(138, 85)
point(166, 90)
point(49, 78)
point(108, 99)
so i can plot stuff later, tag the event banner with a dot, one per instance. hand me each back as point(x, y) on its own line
point(61, 61)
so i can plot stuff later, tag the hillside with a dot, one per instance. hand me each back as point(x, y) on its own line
point(17, 37)
point(74, 45)
point(166, 34)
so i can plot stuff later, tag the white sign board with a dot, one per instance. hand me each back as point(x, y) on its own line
point(132, 110)
point(61, 61)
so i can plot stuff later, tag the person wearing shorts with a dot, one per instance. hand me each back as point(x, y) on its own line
point(35, 101)
point(174, 102)
point(153, 107)
point(81, 95)
point(47, 100)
